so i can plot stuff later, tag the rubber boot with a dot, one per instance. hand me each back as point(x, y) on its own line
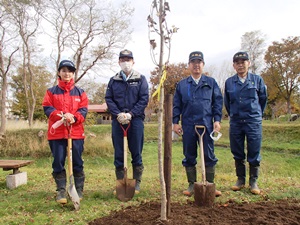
point(240, 169)
point(254, 171)
point(210, 177)
point(79, 183)
point(191, 174)
point(119, 175)
point(61, 181)
point(137, 175)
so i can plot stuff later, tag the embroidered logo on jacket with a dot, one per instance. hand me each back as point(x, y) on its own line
point(77, 99)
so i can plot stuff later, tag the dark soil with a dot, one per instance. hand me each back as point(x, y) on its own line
point(269, 212)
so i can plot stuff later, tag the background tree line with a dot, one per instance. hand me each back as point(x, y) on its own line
point(278, 64)
point(90, 34)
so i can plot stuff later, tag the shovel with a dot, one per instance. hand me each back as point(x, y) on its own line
point(125, 187)
point(204, 192)
point(71, 189)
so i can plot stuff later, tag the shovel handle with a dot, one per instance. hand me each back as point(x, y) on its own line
point(201, 150)
point(125, 131)
point(69, 150)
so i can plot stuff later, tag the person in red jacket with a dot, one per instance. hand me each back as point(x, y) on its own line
point(66, 105)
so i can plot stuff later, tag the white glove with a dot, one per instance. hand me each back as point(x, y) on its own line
point(69, 117)
point(121, 118)
point(128, 116)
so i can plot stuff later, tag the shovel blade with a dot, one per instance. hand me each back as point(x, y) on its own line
point(125, 189)
point(204, 194)
point(74, 195)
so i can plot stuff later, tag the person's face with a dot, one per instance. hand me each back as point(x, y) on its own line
point(65, 74)
point(196, 67)
point(241, 66)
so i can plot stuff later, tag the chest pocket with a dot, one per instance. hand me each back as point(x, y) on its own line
point(252, 92)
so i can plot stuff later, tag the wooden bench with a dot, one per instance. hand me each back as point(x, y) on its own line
point(17, 177)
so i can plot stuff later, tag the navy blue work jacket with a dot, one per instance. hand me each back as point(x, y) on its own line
point(129, 96)
point(245, 101)
point(198, 104)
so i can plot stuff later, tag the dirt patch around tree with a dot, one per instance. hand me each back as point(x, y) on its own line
point(269, 212)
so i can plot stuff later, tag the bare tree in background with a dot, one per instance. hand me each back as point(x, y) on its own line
point(7, 51)
point(221, 73)
point(89, 31)
point(254, 43)
point(26, 18)
point(159, 9)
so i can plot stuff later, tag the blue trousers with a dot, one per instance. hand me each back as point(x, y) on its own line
point(59, 153)
point(135, 137)
point(191, 150)
point(252, 132)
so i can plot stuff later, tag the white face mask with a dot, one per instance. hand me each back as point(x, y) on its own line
point(126, 66)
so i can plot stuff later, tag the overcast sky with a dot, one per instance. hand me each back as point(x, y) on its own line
point(214, 27)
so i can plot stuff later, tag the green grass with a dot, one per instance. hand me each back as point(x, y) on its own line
point(34, 203)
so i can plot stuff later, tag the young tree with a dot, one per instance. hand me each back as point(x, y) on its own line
point(175, 72)
point(160, 8)
point(254, 43)
point(282, 72)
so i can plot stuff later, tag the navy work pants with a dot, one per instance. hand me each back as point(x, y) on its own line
point(135, 137)
point(190, 147)
point(252, 132)
point(59, 153)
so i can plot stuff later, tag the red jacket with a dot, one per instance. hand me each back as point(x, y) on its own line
point(65, 98)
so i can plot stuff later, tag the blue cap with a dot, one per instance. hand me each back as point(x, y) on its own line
point(126, 53)
point(196, 55)
point(68, 64)
point(240, 55)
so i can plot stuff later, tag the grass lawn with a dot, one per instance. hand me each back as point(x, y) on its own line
point(34, 203)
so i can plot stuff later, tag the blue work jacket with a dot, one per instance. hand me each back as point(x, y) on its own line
point(129, 96)
point(245, 101)
point(197, 104)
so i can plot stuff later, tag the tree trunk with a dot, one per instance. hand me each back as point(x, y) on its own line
point(3, 106)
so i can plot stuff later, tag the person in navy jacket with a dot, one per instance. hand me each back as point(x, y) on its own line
point(66, 105)
point(197, 101)
point(245, 100)
point(127, 97)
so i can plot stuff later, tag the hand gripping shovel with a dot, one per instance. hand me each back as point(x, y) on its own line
point(204, 192)
point(125, 187)
point(71, 189)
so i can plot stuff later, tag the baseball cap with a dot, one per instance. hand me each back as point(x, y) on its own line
point(68, 64)
point(126, 53)
point(196, 55)
point(240, 55)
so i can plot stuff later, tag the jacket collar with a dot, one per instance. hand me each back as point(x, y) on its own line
point(67, 86)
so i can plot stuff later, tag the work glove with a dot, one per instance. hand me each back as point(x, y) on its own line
point(121, 117)
point(124, 118)
point(69, 117)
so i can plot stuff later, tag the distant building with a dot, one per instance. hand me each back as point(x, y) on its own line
point(102, 111)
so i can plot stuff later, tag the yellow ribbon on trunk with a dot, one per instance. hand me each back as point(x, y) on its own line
point(161, 82)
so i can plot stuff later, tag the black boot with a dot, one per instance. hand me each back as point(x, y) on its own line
point(254, 171)
point(137, 175)
point(61, 181)
point(79, 179)
point(210, 177)
point(240, 169)
point(191, 174)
